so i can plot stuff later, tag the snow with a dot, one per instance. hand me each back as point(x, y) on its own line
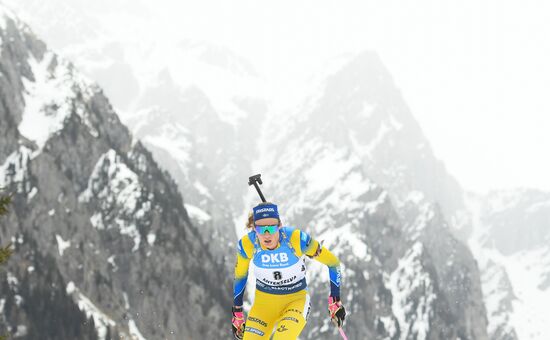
point(156, 60)
point(503, 200)
point(407, 277)
point(366, 151)
point(529, 314)
point(101, 320)
point(197, 214)
point(20, 331)
point(151, 238)
point(129, 229)
point(175, 142)
point(40, 118)
point(530, 317)
point(415, 196)
point(187, 67)
point(331, 166)
point(126, 302)
point(51, 212)
point(18, 299)
point(33, 192)
point(395, 123)
point(134, 331)
point(123, 191)
point(425, 215)
point(50, 99)
point(123, 186)
point(5, 14)
point(372, 206)
point(19, 239)
point(389, 325)
point(61, 244)
point(538, 206)
point(13, 282)
point(15, 169)
point(202, 189)
point(345, 235)
point(383, 130)
point(525, 271)
point(97, 221)
point(367, 111)
point(111, 261)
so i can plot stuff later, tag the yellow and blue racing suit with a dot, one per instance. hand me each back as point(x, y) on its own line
point(281, 300)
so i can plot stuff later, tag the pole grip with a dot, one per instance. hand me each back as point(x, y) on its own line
point(254, 180)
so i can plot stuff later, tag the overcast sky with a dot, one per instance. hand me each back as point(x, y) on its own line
point(474, 72)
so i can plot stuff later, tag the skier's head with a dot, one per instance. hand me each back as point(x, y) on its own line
point(265, 210)
point(267, 224)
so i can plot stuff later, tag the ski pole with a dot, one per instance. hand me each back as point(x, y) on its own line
point(254, 180)
point(342, 333)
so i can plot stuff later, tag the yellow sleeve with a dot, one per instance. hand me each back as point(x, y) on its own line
point(305, 244)
point(327, 258)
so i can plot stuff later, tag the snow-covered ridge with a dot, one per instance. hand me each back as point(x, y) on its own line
point(5, 14)
point(56, 92)
point(15, 170)
point(123, 200)
point(197, 214)
point(515, 285)
point(101, 320)
point(410, 276)
point(220, 56)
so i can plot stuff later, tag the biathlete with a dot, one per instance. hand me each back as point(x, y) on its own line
point(281, 303)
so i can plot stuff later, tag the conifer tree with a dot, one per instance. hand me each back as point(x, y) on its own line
point(6, 251)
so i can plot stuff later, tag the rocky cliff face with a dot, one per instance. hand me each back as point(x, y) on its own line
point(105, 223)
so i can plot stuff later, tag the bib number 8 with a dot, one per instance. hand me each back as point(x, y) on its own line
point(277, 275)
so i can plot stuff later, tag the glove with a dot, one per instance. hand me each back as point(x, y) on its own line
point(238, 322)
point(336, 310)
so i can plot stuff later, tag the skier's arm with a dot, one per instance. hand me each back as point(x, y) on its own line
point(331, 261)
point(314, 249)
point(244, 254)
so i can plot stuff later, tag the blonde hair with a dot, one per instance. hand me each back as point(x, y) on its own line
point(250, 221)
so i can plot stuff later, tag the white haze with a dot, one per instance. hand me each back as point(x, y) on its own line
point(474, 73)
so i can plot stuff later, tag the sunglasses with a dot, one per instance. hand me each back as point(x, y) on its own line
point(272, 229)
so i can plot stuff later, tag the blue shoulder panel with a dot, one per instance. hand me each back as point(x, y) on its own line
point(305, 240)
point(287, 231)
point(252, 236)
point(240, 249)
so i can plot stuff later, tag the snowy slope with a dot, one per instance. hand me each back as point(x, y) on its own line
point(405, 273)
point(510, 240)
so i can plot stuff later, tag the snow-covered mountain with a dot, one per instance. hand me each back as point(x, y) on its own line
point(511, 241)
point(351, 166)
point(99, 230)
point(192, 103)
point(202, 131)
